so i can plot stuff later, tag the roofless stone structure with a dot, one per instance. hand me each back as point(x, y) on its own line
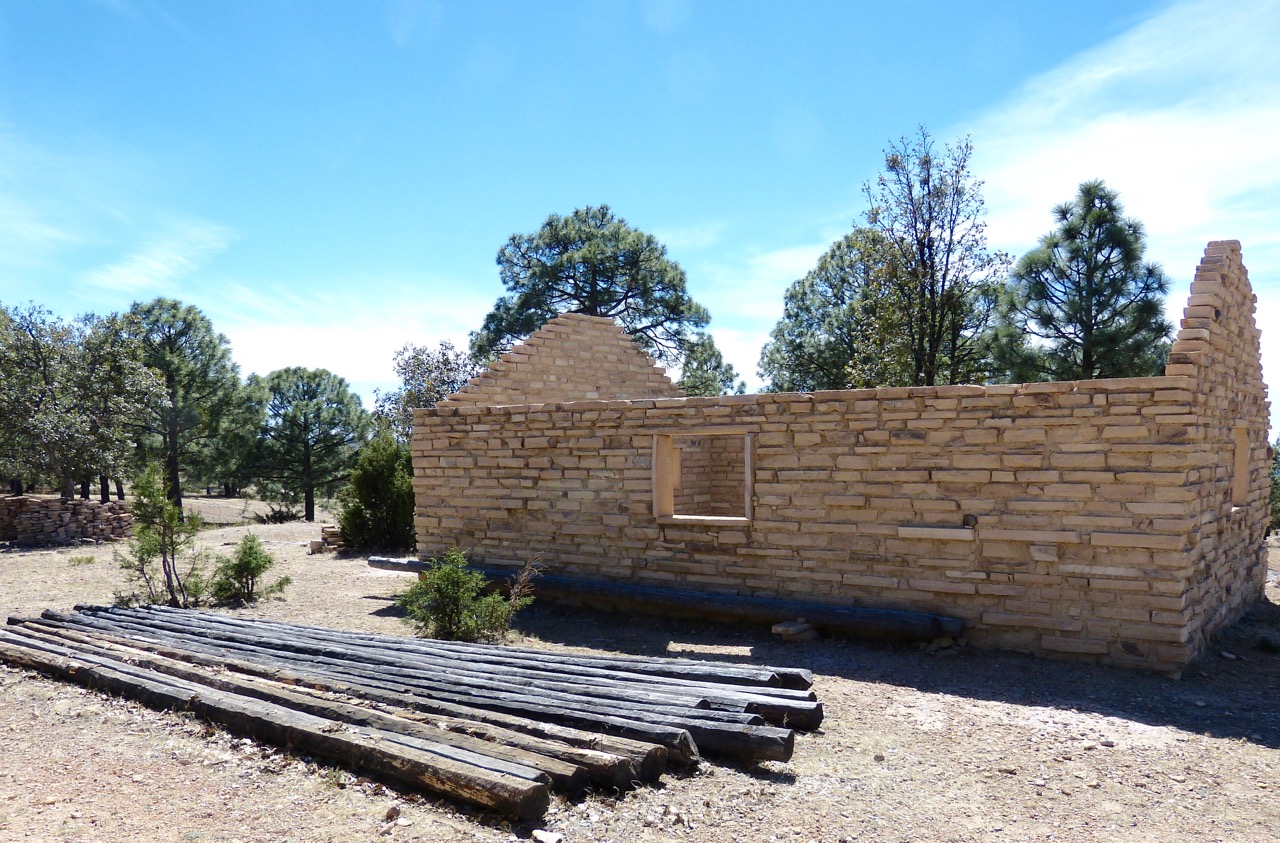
point(1118, 520)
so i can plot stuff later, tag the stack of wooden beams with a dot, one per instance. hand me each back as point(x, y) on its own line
point(332, 537)
point(498, 727)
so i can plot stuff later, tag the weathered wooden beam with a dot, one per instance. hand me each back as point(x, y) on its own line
point(638, 761)
point(794, 708)
point(641, 761)
point(737, 735)
point(678, 742)
point(862, 621)
point(566, 776)
point(510, 795)
point(767, 676)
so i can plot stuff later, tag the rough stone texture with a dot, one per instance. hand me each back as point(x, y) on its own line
point(1116, 520)
point(571, 358)
point(37, 521)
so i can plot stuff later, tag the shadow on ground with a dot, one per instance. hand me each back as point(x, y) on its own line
point(1231, 692)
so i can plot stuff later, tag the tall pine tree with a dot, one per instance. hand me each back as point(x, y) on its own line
point(1084, 304)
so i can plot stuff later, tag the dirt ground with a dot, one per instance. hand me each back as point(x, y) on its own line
point(916, 746)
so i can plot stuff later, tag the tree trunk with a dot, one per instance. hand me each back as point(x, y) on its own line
point(173, 476)
point(119, 489)
point(84, 489)
point(309, 486)
point(104, 488)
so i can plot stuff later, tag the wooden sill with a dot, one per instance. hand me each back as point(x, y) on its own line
point(702, 521)
point(955, 534)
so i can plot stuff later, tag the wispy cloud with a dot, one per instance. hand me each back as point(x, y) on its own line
point(751, 288)
point(180, 250)
point(1180, 114)
point(745, 298)
point(691, 237)
point(411, 21)
point(329, 328)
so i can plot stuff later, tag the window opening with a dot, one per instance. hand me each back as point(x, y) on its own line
point(702, 476)
point(1240, 468)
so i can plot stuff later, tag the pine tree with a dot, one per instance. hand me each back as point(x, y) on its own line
point(1084, 304)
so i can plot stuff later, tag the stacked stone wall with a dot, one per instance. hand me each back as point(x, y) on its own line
point(1115, 520)
point(712, 476)
point(39, 521)
point(1219, 346)
point(573, 357)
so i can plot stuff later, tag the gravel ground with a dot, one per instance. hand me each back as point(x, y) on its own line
point(953, 745)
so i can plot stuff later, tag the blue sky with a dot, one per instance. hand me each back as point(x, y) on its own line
point(329, 181)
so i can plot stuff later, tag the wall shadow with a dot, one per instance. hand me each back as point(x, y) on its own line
point(1225, 696)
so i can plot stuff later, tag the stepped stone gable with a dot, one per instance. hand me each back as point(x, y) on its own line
point(1116, 520)
point(571, 358)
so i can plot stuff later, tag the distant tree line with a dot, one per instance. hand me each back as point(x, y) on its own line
point(98, 399)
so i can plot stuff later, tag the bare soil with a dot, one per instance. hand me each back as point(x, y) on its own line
point(953, 745)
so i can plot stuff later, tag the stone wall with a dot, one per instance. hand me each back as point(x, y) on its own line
point(40, 521)
point(1116, 520)
point(573, 357)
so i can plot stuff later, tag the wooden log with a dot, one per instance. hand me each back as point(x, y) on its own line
point(742, 741)
point(679, 744)
point(442, 675)
point(707, 671)
point(512, 796)
point(638, 761)
point(855, 620)
point(862, 621)
point(780, 706)
point(563, 775)
point(199, 683)
point(507, 696)
point(489, 695)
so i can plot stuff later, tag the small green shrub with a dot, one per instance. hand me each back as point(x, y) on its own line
point(237, 577)
point(450, 602)
point(162, 564)
point(81, 560)
point(377, 502)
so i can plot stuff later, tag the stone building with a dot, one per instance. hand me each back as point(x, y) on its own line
point(1116, 520)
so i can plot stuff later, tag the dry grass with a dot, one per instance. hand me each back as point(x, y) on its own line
point(971, 746)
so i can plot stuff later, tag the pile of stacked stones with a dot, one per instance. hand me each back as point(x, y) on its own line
point(41, 521)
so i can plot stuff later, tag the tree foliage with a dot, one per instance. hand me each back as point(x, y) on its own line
point(427, 376)
point(705, 372)
point(591, 262)
point(68, 392)
point(376, 505)
point(451, 602)
point(311, 431)
point(227, 458)
point(201, 384)
point(238, 578)
point(161, 562)
point(928, 209)
point(840, 325)
point(1273, 498)
point(1083, 304)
